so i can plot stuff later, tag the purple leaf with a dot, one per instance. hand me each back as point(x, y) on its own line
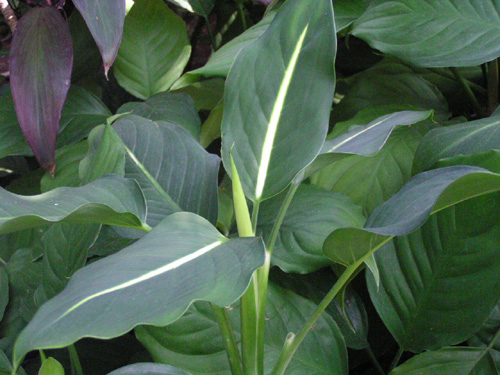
point(41, 58)
point(105, 21)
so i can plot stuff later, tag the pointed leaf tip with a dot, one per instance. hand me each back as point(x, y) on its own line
point(41, 59)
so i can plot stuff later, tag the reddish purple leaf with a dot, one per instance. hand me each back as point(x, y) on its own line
point(105, 20)
point(41, 58)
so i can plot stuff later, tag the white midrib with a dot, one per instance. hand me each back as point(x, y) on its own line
point(275, 117)
point(157, 272)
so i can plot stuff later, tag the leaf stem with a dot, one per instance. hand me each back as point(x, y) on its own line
point(475, 103)
point(241, 11)
point(396, 359)
point(213, 43)
point(492, 85)
point(293, 341)
point(226, 328)
point(76, 366)
point(374, 360)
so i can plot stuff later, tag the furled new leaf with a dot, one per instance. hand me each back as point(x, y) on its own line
point(417, 30)
point(153, 281)
point(422, 195)
point(41, 58)
point(154, 50)
point(289, 67)
point(110, 200)
point(105, 21)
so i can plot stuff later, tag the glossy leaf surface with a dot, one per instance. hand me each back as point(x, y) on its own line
point(154, 49)
point(41, 59)
point(439, 284)
point(289, 66)
point(417, 30)
point(423, 195)
point(105, 21)
point(111, 296)
point(448, 361)
point(148, 369)
point(109, 200)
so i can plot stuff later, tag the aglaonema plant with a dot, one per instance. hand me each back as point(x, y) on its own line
point(139, 235)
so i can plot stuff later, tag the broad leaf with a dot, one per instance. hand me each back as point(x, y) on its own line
point(313, 214)
point(417, 30)
point(483, 337)
point(166, 106)
point(202, 7)
point(348, 11)
point(449, 361)
point(454, 254)
point(109, 200)
point(272, 74)
point(41, 59)
point(194, 344)
point(422, 195)
point(51, 367)
point(148, 369)
point(462, 139)
point(105, 21)
point(154, 50)
point(4, 291)
point(115, 294)
point(171, 167)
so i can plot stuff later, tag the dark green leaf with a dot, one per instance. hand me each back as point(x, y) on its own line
point(41, 58)
point(109, 200)
point(166, 106)
point(154, 50)
point(483, 337)
point(417, 30)
point(348, 11)
point(105, 21)
point(439, 284)
point(313, 214)
point(153, 281)
point(273, 73)
point(449, 361)
point(4, 290)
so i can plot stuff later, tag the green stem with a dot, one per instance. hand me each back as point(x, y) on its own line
point(374, 360)
point(293, 341)
point(396, 359)
point(233, 354)
point(76, 366)
point(213, 43)
point(468, 92)
point(448, 75)
point(490, 346)
point(43, 357)
point(492, 85)
point(241, 10)
point(255, 216)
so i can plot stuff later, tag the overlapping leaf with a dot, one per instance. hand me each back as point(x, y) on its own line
point(270, 75)
point(148, 369)
point(417, 30)
point(41, 59)
point(153, 281)
point(109, 200)
point(105, 21)
point(154, 50)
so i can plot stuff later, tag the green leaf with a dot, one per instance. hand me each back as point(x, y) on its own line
point(51, 367)
point(289, 66)
point(202, 7)
point(348, 11)
point(5, 365)
point(483, 337)
point(206, 94)
point(417, 30)
point(461, 139)
point(381, 85)
point(4, 290)
point(109, 200)
point(422, 195)
point(448, 361)
point(322, 352)
point(148, 369)
point(438, 285)
point(178, 109)
point(312, 215)
point(67, 163)
point(211, 129)
point(152, 281)
point(105, 21)
point(154, 50)
point(173, 170)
